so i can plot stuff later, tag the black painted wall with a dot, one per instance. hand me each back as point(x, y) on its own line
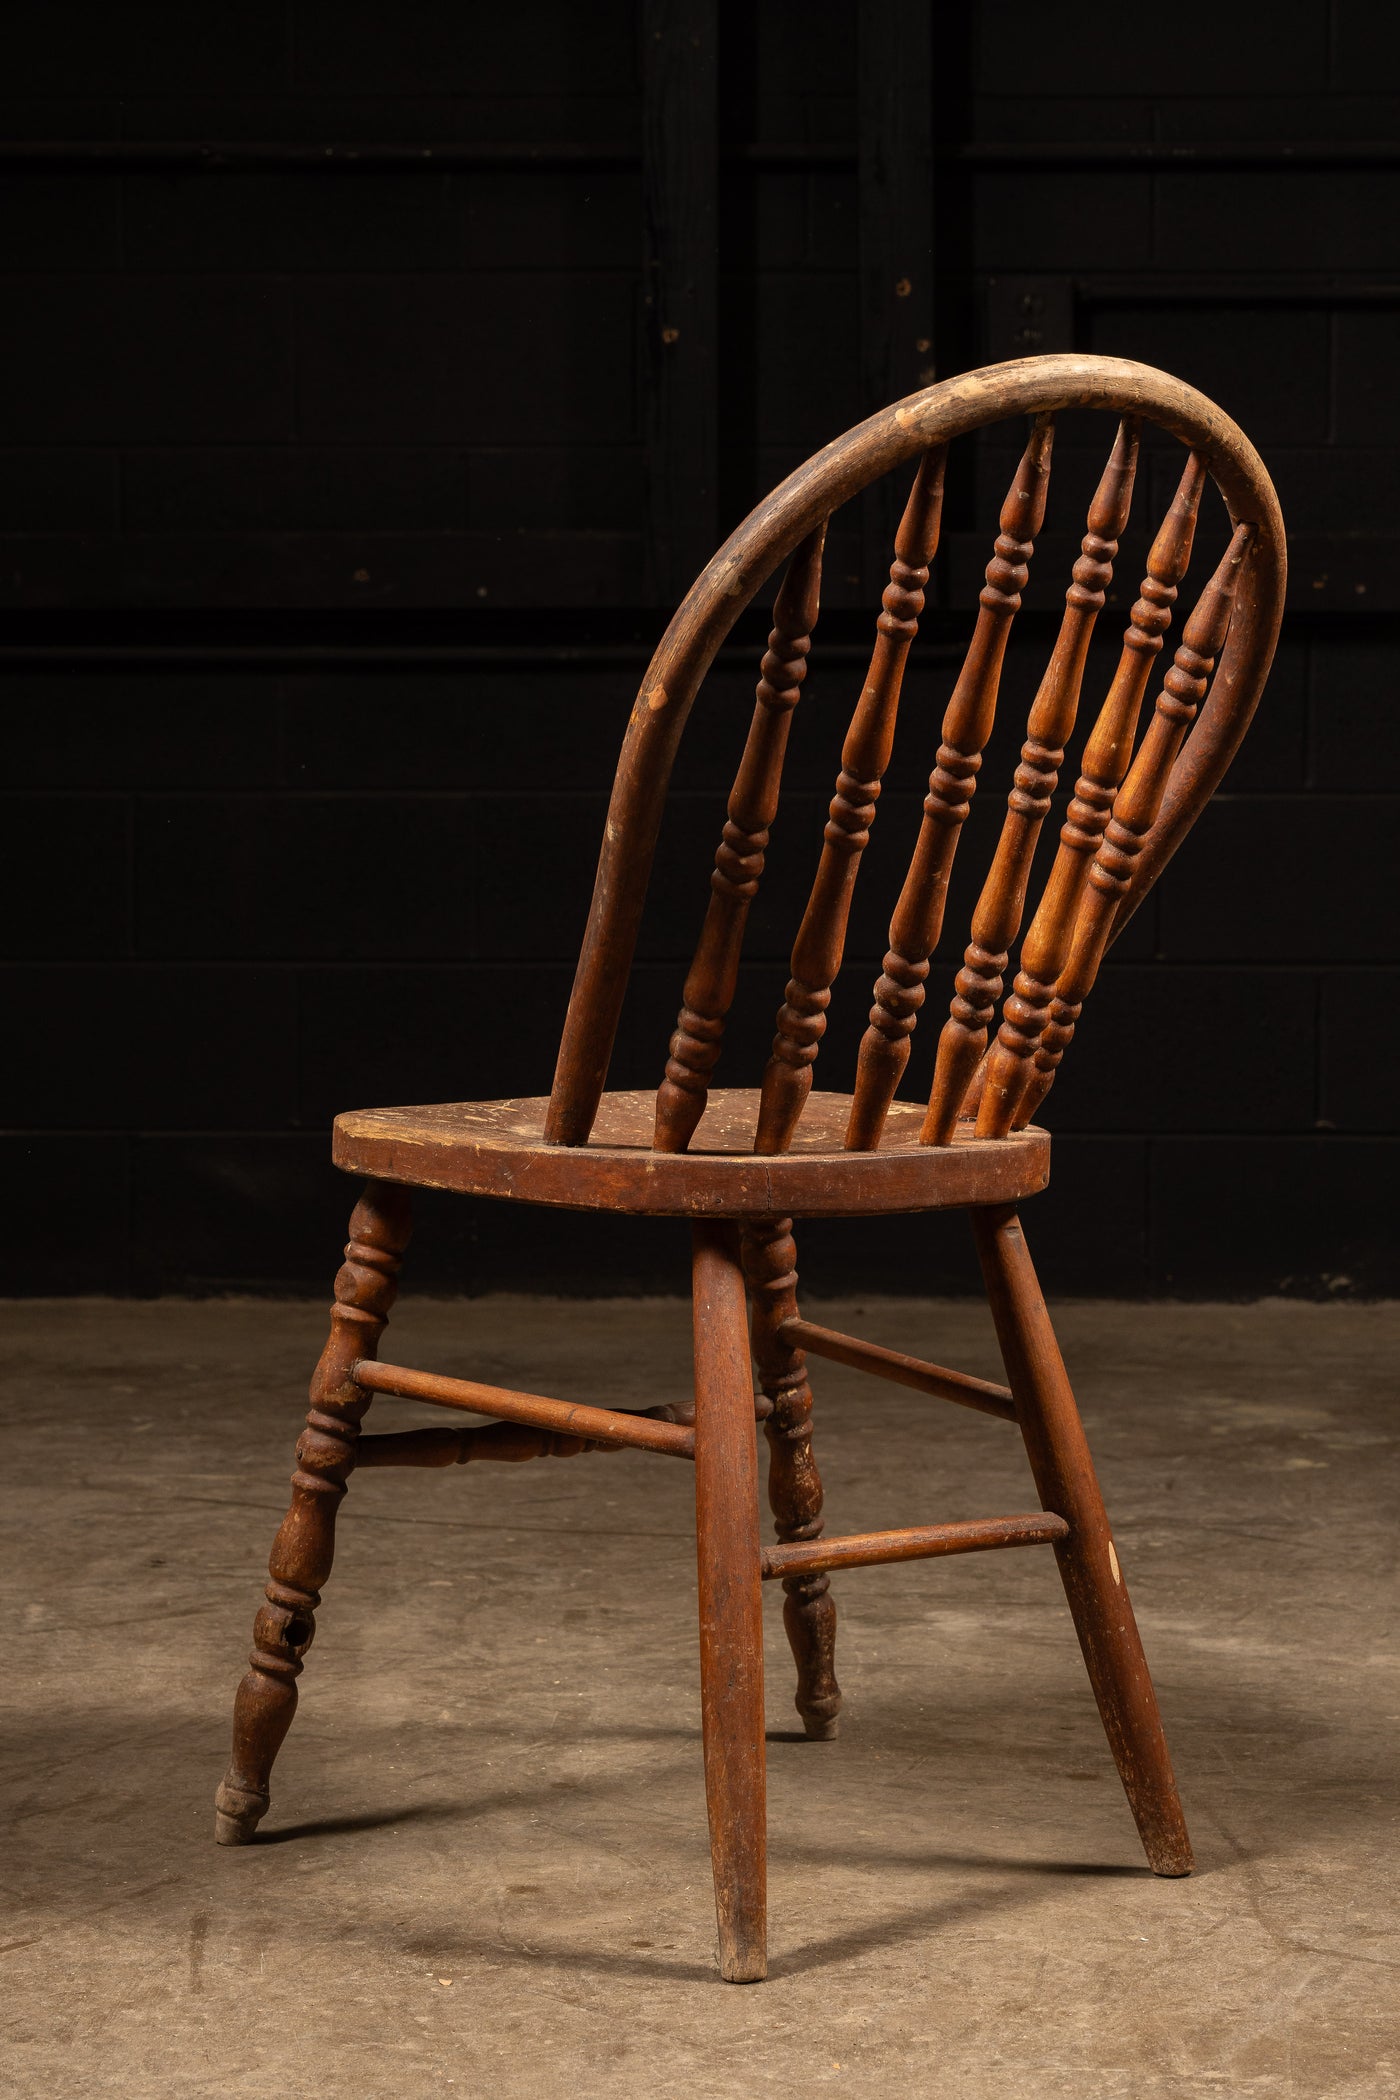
point(339, 506)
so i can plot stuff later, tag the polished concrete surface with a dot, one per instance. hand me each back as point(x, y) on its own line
point(485, 1870)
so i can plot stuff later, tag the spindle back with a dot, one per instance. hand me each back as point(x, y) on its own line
point(1129, 812)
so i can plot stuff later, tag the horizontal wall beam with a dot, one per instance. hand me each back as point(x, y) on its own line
point(1056, 154)
point(435, 156)
point(236, 572)
point(911, 1371)
point(230, 155)
point(870, 1548)
point(602, 1425)
point(401, 656)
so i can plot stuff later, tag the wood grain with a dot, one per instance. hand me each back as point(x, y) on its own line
point(910, 1371)
point(1135, 809)
point(505, 1443)
point(997, 918)
point(821, 938)
point(566, 1418)
point(794, 1483)
point(742, 1164)
point(871, 1549)
point(1089, 1562)
point(498, 1148)
point(918, 916)
point(1045, 949)
point(1032, 386)
point(738, 869)
point(731, 1606)
point(304, 1547)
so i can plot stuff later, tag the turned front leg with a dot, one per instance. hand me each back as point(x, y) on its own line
point(794, 1484)
point(305, 1544)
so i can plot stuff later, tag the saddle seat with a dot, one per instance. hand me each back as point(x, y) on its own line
point(498, 1148)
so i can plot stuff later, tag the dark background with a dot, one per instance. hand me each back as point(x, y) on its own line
point(373, 381)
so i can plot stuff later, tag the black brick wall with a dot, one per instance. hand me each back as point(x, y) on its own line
point(325, 590)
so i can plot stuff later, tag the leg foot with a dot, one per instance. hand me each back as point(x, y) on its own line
point(1093, 1578)
point(237, 1814)
point(304, 1546)
point(731, 1605)
point(794, 1484)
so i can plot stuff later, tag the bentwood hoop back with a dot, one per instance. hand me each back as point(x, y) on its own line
point(742, 1163)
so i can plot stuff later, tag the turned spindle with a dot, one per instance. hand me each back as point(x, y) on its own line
point(305, 1545)
point(794, 1484)
point(997, 918)
point(505, 1443)
point(918, 916)
point(1106, 755)
point(753, 804)
point(821, 938)
point(1135, 810)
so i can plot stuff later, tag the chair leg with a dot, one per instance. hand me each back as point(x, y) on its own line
point(305, 1544)
point(794, 1484)
point(1098, 1597)
point(731, 1604)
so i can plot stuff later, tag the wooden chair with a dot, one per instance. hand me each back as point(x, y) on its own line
point(742, 1164)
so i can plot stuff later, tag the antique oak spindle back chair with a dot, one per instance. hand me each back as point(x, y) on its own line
point(741, 1165)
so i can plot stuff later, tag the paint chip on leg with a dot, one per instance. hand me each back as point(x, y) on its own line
point(1113, 1564)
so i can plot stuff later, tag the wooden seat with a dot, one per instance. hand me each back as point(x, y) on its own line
point(498, 1148)
point(741, 1164)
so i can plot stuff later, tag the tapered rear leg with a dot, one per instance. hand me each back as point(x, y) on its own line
point(1098, 1596)
point(305, 1544)
point(794, 1484)
point(731, 1605)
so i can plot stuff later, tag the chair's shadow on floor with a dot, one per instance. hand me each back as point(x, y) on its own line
point(372, 1819)
point(930, 1922)
point(1007, 1882)
point(943, 1917)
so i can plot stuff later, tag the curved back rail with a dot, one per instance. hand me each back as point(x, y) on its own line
point(1124, 824)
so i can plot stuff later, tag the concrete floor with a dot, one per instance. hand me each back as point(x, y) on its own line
point(486, 1871)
